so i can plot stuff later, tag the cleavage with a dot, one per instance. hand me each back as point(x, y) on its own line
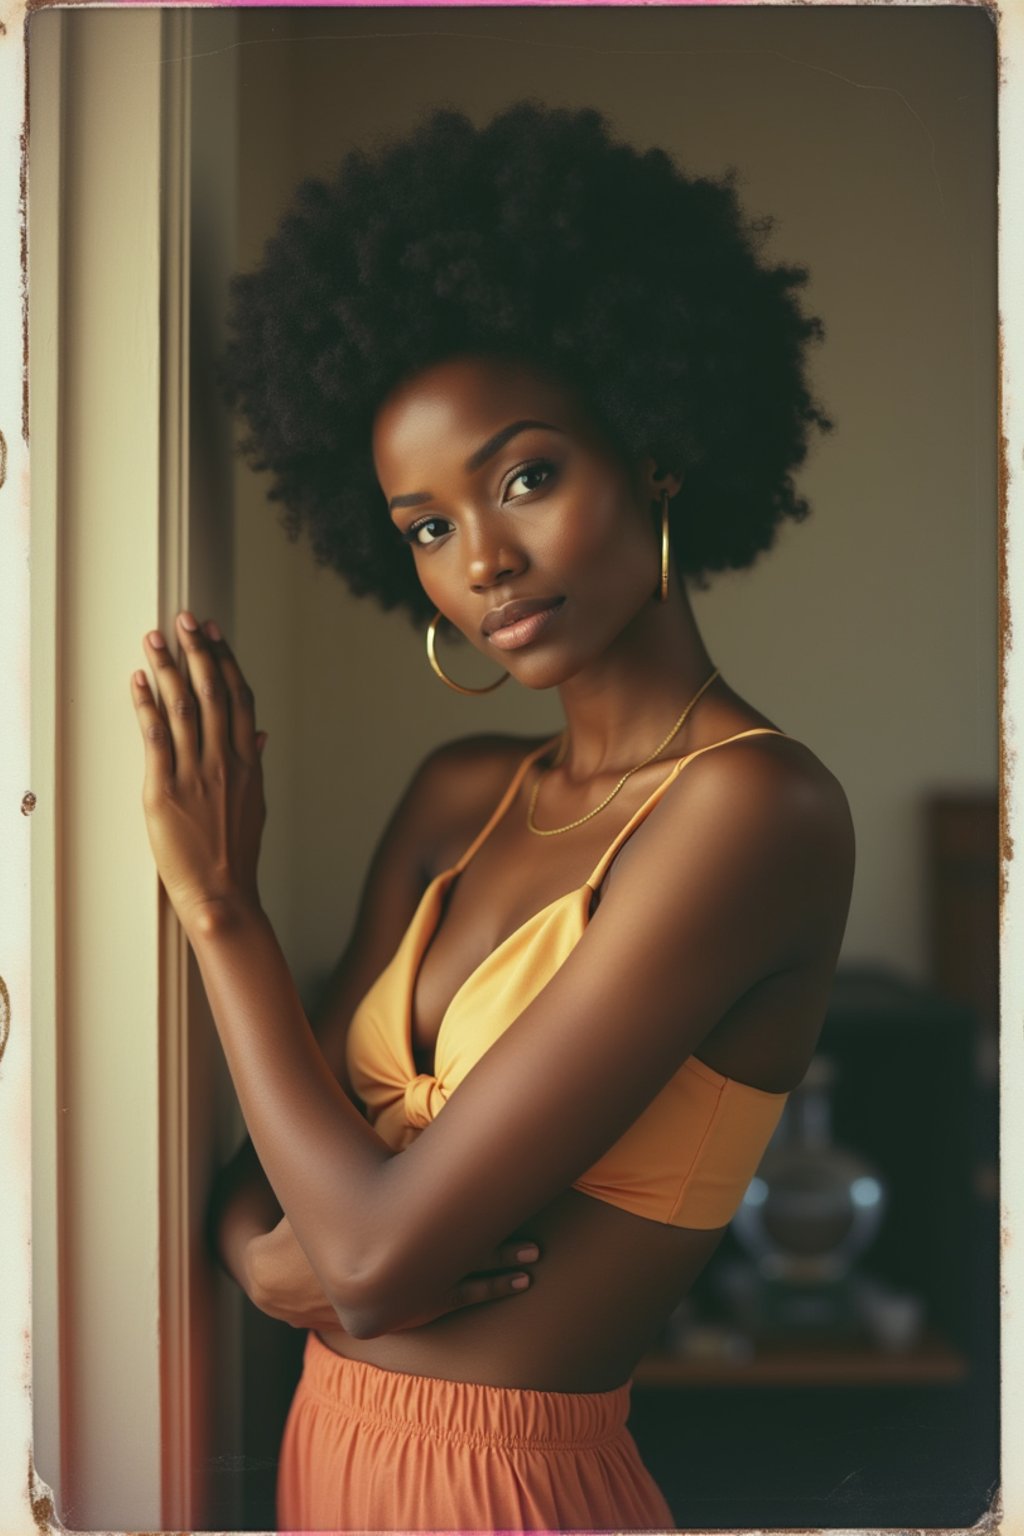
point(455, 951)
point(546, 873)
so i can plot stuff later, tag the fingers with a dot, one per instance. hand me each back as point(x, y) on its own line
point(159, 764)
point(509, 1255)
point(208, 688)
point(210, 711)
point(175, 696)
point(241, 701)
point(479, 1288)
point(517, 1251)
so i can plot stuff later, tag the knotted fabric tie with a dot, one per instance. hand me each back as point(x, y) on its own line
point(424, 1098)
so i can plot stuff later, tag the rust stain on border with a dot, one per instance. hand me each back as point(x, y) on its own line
point(43, 1512)
point(5, 1016)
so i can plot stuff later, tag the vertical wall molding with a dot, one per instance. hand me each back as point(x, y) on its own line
point(176, 1373)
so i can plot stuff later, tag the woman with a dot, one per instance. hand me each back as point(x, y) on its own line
point(524, 379)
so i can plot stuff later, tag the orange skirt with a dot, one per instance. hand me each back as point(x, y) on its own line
point(367, 1449)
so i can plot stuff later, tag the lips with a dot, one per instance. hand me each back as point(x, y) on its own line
point(508, 613)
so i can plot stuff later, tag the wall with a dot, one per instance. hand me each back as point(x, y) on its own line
point(98, 367)
point(128, 1086)
point(870, 630)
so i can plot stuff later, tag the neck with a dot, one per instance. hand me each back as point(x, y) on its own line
point(619, 708)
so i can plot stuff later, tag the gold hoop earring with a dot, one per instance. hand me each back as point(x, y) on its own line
point(432, 658)
point(664, 546)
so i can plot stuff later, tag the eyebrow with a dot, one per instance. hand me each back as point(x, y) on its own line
point(476, 459)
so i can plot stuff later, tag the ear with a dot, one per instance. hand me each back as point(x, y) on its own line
point(654, 480)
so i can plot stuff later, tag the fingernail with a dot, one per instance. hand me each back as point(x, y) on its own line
point(520, 1282)
point(532, 1252)
point(187, 621)
point(156, 639)
point(212, 630)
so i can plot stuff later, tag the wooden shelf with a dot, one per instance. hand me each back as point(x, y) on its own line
point(931, 1361)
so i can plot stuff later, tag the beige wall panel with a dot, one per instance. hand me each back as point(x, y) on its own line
point(107, 596)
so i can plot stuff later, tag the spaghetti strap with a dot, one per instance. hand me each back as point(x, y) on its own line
point(502, 805)
point(601, 868)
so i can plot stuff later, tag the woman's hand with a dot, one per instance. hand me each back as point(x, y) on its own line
point(282, 1284)
point(203, 788)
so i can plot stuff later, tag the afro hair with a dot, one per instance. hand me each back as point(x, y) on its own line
point(541, 237)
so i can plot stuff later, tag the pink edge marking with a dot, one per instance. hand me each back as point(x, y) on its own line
point(495, 4)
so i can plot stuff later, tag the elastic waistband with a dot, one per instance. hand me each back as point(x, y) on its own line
point(468, 1412)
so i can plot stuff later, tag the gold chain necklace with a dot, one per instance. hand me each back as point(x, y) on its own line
point(552, 831)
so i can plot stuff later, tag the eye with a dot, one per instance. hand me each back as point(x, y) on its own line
point(412, 535)
point(542, 467)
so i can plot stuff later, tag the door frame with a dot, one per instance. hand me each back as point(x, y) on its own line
point(135, 1336)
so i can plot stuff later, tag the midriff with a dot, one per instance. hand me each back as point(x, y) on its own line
point(602, 1289)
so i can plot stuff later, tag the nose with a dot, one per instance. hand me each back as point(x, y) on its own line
point(493, 557)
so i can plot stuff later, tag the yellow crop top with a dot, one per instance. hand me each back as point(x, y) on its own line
point(689, 1156)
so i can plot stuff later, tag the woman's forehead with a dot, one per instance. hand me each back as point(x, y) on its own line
point(451, 408)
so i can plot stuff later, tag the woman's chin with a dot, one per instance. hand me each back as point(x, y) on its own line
point(539, 673)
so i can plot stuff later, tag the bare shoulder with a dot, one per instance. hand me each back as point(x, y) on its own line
point(813, 795)
point(761, 816)
point(457, 786)
point(783, 765)
point(779, 776)
point(791, 807)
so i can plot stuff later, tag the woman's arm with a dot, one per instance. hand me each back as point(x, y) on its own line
point(243, 1206)
point(737, 887)
point(743, 870)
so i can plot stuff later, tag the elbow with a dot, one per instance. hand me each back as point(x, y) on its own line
point(383, 1294)
point(358, 1316)
point(359, 1299)
point(359, 1324)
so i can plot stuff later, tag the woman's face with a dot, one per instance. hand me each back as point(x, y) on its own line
point(506, 494)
